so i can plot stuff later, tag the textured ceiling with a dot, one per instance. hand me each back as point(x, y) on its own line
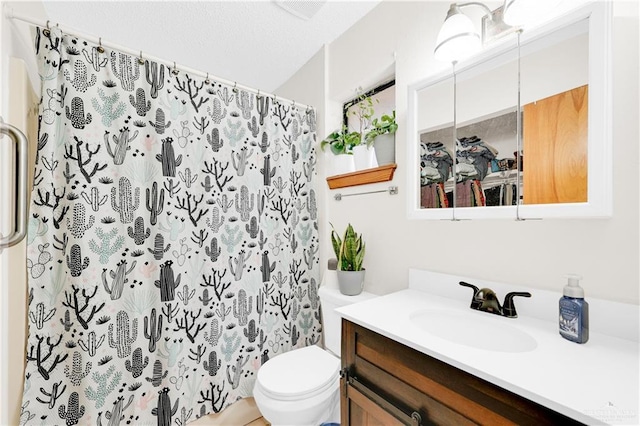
point(255, 43)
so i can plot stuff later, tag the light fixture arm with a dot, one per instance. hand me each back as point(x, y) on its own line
point(458, 6)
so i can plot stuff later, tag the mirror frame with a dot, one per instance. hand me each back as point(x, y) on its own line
point(351, 102)
point(600, 145)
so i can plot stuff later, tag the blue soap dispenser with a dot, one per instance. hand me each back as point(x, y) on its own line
point(574, 312)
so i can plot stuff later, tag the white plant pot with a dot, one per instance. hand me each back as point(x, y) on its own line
point(341, 164)
point(385, 146)
point(364, 157)
point(351, 283)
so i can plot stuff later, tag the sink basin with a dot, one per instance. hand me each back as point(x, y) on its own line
point(474, 329)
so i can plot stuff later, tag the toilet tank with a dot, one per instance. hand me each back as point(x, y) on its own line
point(331, 299)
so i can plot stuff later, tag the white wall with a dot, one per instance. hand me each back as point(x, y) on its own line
point(533, 253)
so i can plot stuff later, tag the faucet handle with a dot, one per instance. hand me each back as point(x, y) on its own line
point(475, 304)
point(508, 307)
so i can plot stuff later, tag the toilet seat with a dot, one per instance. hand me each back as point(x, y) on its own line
point(299, 374)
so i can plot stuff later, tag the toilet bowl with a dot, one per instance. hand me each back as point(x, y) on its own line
point(302, 387)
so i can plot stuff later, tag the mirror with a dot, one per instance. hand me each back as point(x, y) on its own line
point(486, 133)
point(436, 145)
point(532, 127)
point(554, 97)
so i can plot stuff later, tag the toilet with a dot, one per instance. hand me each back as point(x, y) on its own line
point(302, 386)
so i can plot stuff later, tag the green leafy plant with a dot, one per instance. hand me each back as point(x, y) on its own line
point(363, 110)
point(349, 250)
point(341, 142)
point(386, 124)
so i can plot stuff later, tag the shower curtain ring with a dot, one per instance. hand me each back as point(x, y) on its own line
point(235, 87)
point(175, 69)
point(47, 31)
point(293, 104)
point(100, 49)
point(258, 96)
point(141, 59)
point(206, 80)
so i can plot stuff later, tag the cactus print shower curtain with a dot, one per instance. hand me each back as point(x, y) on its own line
point(172, 245)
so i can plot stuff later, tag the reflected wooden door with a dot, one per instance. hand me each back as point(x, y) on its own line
point(555, 148)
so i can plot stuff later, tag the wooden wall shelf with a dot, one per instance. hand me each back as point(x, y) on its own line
point(362, 177)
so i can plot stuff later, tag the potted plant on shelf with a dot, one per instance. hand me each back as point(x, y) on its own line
point(382, 137)
point(350, 253)
point(341, 144)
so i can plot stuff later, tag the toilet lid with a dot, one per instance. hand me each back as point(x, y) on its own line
point(301, 373)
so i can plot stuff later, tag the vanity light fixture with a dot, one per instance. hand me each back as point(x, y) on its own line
point(458, 37)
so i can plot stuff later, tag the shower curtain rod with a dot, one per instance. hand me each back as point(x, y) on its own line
point(46, 24)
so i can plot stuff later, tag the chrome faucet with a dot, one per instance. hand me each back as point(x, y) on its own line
point(485, 299)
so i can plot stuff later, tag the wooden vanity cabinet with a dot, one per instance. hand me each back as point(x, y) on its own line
point(387, 383)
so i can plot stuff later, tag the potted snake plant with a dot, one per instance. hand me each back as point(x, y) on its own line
point(350, 251)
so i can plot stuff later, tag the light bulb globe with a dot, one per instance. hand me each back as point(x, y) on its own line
point(457, 39)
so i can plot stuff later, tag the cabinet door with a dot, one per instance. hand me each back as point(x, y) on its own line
point(361, 410)
point(555, 148)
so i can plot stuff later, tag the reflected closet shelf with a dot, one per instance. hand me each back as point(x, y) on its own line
point(362, 177)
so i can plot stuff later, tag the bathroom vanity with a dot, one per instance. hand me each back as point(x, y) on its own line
point(421, 356)
point(389, 383)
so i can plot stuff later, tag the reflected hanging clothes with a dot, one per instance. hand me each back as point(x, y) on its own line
point(433, 196)
point(469, 193)
point(435, 169)
point(501, 195)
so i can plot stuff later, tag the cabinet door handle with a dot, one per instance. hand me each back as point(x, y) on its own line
point(413, 419)
point(20, 168)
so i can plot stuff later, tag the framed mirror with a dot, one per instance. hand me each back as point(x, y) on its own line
point(528, 124)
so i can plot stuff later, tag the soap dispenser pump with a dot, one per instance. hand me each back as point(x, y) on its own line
point(574, 312)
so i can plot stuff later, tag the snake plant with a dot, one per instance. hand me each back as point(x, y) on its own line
point(349, 250)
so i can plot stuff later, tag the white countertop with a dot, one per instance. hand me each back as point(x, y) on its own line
point(595, 383)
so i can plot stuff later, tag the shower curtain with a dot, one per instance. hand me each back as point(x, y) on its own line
point(172, 244)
